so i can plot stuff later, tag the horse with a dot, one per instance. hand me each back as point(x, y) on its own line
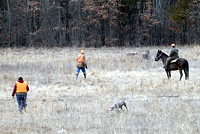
point(180, 64)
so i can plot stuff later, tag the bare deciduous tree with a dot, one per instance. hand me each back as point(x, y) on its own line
point(92, 23)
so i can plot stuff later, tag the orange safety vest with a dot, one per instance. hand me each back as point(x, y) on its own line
point(80, 58)
point(21, 87)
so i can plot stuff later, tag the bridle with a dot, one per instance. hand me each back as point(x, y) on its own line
point(159, 56)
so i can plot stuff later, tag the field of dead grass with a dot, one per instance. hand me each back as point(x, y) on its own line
point(57, 103)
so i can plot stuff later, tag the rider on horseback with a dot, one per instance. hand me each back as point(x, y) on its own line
point(172, 56)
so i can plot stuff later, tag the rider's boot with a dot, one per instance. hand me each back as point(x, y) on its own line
point(84, 75)
point(167, 67)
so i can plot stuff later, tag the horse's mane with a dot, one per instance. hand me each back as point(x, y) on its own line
point(164, 54)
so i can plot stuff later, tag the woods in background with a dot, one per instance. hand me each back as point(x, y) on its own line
point(97, 23)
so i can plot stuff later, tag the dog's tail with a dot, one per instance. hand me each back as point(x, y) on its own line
point(126, 100)
point(125, 105)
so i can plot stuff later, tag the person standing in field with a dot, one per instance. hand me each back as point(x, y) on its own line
point(81, 64)
point(20, 89)
point(172, 56)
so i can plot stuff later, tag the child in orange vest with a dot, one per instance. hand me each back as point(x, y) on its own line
point(81, 64)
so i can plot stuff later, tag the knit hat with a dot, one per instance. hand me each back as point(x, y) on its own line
point(20, 78)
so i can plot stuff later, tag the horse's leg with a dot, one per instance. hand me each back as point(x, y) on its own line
point(181, 74)
point(167, 72)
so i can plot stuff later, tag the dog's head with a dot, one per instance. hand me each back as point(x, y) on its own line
point(111, 108)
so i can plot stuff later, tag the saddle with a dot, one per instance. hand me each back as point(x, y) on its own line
point(173, 61)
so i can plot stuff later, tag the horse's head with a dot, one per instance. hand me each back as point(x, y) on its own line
point(158, 55)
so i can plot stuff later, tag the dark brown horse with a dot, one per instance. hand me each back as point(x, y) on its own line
point(180, 64)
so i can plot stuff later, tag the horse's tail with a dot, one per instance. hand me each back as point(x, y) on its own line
point(186, 70)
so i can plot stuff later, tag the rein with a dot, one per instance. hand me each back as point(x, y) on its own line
point(160, 55)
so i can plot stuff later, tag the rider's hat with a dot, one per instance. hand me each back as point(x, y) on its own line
point(173, 44)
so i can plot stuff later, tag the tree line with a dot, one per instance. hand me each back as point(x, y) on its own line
point(97, 23)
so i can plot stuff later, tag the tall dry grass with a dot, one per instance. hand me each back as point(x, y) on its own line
point(57, 103)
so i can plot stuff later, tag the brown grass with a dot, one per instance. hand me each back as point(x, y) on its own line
point(57, 103)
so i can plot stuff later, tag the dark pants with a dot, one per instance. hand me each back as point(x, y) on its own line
point(169, 59)
point(80, 69)
point(21, 100)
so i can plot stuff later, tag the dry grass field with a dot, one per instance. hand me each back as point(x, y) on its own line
point(60, 104)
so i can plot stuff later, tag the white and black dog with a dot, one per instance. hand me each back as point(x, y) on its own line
point(118, 104)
